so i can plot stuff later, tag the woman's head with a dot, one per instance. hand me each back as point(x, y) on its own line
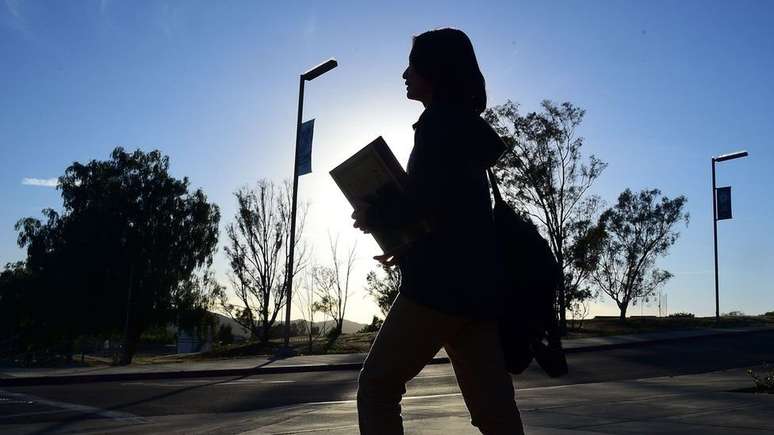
point(443, 69)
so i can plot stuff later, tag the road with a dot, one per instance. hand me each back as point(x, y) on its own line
point(56, 407)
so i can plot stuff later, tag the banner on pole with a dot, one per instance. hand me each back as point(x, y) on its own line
point(304, 150)
point(724, 202)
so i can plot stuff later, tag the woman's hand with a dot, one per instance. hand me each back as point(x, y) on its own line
point(365, 221)
point(391, 258)
point(363, 211)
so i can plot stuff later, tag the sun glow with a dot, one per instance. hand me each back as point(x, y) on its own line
point(329, 212)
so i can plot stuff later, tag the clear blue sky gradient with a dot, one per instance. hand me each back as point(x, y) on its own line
point(214, 85)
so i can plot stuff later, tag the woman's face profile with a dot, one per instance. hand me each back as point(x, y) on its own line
point(417, 87)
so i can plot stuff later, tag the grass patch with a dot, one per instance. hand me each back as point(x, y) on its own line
point(345, 343)
point(601, 327)
point(352, 343)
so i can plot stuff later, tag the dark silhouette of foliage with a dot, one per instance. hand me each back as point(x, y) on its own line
point(192, 300)
point(376, 324)
point(384, 290)
point(17, 308)
point(583, 254)
point(59, 281)
point(637, 230)
point(225, 335)
point(543, 175)
point(128, 236)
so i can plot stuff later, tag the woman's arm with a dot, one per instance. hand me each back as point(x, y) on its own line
point(438, 179)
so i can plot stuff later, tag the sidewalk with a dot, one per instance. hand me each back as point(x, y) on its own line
point(266, 365)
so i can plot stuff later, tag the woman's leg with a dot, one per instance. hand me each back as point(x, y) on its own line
point(486, 385)
point(409, 338)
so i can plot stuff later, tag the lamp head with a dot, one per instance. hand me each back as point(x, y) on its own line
point(319, 70)
point(736, 155)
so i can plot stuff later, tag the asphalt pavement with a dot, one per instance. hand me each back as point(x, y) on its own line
point(323, 401)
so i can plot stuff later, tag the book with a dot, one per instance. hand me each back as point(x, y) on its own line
point(369, 175)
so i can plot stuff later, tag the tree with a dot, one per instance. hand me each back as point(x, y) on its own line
point(128, 235)
point(583, 254)
point(543, 175)
point(579, 311)
point(258, 252)
point(192, 300)
point(375, 326)
point(50, 274)
point(333, 284)
point(384, 290)
point(17, 316)
point(638, 229)
point(305, 298)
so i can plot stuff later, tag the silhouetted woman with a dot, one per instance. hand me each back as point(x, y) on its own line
point(448, 295)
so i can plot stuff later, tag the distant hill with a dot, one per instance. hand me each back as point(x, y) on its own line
point(349, 326)
point(236, 328)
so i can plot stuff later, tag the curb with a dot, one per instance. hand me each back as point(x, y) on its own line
point(301, 368)
point(186, 374)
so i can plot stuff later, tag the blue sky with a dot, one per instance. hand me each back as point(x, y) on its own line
point(214, 85)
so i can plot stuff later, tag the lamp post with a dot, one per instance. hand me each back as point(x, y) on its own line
point(307, 76)
point(722, 158)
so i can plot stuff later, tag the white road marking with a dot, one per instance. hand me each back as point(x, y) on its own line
point(315, 430)
point(7, 401)
point(31, 414)
point(431, 396)
point(150, 384)
point(239, 382)
point(254, 381)
point(347, 402)
point(84, 409)
point(196, 381)
point(179, 384)
point(170, 384)
point(432, 376)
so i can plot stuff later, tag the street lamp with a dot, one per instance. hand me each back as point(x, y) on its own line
point(307, 76)
point(722, 158)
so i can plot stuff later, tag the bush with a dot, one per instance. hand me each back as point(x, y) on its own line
point(157, 335)
point(764, 382)
point(376, 324)
point(225, 335)
point(769, 314)
point(681, 316)
point(332, 334)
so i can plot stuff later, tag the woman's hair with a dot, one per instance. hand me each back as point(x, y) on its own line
point(445, 57)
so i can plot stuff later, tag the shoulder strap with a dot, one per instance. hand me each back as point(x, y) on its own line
point(495, 189)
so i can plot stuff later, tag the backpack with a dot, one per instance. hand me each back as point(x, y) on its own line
point(528, 277)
